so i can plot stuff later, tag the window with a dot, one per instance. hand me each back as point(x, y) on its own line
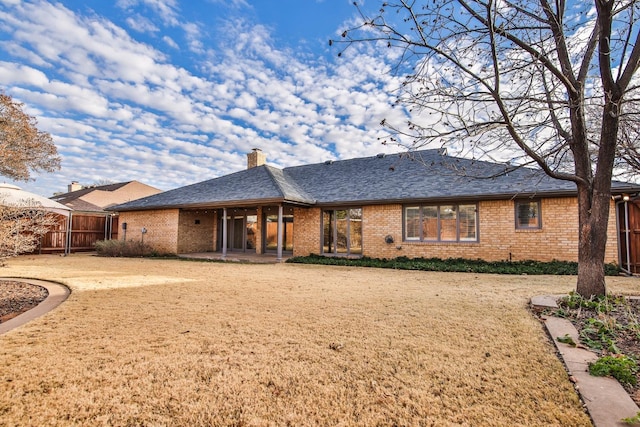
point(342, 231)
point(528, 214)
point(441, 223)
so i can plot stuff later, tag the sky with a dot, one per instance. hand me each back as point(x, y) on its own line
point(171, 92)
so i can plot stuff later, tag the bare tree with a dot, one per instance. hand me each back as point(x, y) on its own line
point(23, 148)
point(22, 226)
point(539, 81)
point(628, 157)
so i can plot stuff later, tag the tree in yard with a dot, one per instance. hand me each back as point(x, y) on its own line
point(21, 227)
point(542, 82)
point(628, 157)
point(23, 148)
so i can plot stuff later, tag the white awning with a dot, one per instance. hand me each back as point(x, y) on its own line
point(11, 195)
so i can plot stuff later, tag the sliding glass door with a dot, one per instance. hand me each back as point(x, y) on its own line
point(271, 231)
point(342, 231)
point(242, 227)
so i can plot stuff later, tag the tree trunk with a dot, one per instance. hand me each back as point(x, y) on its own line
point(594, 204)
point(592, 244)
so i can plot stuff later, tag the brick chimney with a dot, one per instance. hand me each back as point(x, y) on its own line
point(256, 158)
point(74, 186)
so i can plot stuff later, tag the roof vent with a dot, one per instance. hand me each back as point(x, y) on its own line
point(328, 162)
point(381, 155)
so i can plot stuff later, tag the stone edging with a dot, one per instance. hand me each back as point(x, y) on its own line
point(605, 399)
point(57, 294)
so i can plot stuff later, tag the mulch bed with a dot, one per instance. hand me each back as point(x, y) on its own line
point(18, 297)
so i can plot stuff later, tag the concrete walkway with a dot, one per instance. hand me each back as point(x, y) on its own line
point(248, 257)
point(606, 400)
point(57, 294)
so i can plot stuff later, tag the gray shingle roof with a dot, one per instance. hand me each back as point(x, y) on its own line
point(256, 185)
point(427, 175)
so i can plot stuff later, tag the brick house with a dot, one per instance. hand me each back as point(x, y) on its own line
point(426, 204)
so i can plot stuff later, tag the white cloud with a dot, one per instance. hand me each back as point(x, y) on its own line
point(18, 74)
point(170, 42)
point(141, 24)
point(167, 10)
point(110, 100)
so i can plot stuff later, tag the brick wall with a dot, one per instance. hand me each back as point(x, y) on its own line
point(196, 231)
point(259, 240)
point(161, 225)
point(498, 239)
point(306, 231)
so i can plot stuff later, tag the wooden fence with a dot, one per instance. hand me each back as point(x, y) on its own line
point(86, 230)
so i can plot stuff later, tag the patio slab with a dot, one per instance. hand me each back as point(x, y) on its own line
point(268, 258)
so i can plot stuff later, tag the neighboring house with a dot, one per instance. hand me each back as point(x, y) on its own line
point(423, 204)
point(11, 195)
point(89, 221)
point(96, 198)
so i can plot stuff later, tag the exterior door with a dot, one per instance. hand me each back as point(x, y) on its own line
point(237, 224)
point(629, 236)
point(241, 231)
point(342, 231)
point(271, 232)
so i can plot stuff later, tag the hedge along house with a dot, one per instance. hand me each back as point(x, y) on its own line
point(423, 204)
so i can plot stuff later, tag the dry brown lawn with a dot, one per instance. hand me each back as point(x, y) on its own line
point(158, 343)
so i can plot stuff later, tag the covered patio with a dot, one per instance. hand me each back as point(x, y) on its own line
point(262, 230)
point(247, 212)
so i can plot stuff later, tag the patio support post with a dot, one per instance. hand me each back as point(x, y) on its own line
point(106, 227)
point(67, 240)
point(280, 232)
point(224, 232)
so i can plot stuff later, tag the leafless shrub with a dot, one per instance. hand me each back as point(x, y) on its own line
point(21, 227)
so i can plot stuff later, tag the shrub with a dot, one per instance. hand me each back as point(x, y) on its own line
point(621, 367)
point(22, 226)
point(454, 265)
point(123, 248)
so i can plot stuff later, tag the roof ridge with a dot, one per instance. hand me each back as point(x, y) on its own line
point(400, 155)
point(290, 181)
point(275, 181)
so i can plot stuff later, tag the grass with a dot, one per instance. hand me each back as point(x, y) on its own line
point(167, 342)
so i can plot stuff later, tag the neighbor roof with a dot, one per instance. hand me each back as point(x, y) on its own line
point(420, 176)
point(11, 195)
point(74, 200)
point(98, 197)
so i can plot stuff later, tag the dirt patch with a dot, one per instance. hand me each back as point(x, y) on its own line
point(18, 297)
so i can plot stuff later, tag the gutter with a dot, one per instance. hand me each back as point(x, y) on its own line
point(216, 205)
